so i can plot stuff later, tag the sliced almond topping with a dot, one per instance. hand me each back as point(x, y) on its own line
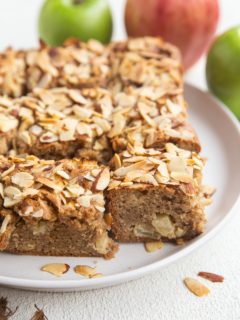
point(36, 130)
point(49, 183)
point(5, 223)
point(63, 174)
point(25, 137)
point(132, 175)
point(85, 271)
point(6, 172)
point(177, 164)
point(211, 276)
point(182, 177)
point(57, 269)
point(23, 179)
point(147, 178)
point(9, 202)
point(142, 165)
point(76, 96)
point(85, 201)
point(12, 192)
point(1, 190)
point(162, 169)
point(153, 246)
point(142, 109)
point(196, 287)
point(38, 214)
point(7, 123)
point(102, 180)
point(119, 123)
point(48, 137)
point(75, 190)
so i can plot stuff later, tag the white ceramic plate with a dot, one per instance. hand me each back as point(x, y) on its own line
point(220, 137)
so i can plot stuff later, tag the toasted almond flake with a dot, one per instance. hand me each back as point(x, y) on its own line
point(49, 183)
point(76, 96)
point(85, 271)
point(132, 175)
point(36, 130)
point(82, 112)
point(25, 137)
point(6, 172)
point(12, 192)
point(126, 184)
point(99, 208)
point(173, 107)
point(84, 129)
point(5, 223)
point(1, 190)
point(162, 169)
point(119, 123)
point(102, 180)
point(95, 172)
point(29, 192)
point(57, 269)
point(7, 123)
point(63, 174)
point(85, 201)
point(182, 177)
point(196, 287)
point(113, 184)
point(22, 179)
point(142, 109)
point(9, 202)
point(213, 277)
point(75, 190)
point(153, 246)
point(48, 137)
point(147, 178)
point(38, 214)
point(89, 177)
point(177, 164)
point(142, 165)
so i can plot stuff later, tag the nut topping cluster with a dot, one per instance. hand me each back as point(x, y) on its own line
point(67, 184)
point(171, 166)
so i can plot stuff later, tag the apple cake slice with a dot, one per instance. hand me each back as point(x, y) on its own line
point(52, 207)
point(76, 64)
point(151, 122)
point(60, 123)
point(157, 194)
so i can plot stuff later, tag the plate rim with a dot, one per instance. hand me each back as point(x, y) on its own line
point(87, 284)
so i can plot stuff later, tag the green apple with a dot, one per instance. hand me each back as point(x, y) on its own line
point(223, 69)
point(81, 19)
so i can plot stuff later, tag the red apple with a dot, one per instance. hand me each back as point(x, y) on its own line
point(189, 24)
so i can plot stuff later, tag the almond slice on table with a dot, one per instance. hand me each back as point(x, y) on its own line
point(196, 287)
point(211, 276)
point(57, 269)
point(153, 246)
point(86, 271)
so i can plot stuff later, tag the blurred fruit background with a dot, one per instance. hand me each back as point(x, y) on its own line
point(190, 24)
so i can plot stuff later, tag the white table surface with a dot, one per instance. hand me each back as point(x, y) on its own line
point(162, 294)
